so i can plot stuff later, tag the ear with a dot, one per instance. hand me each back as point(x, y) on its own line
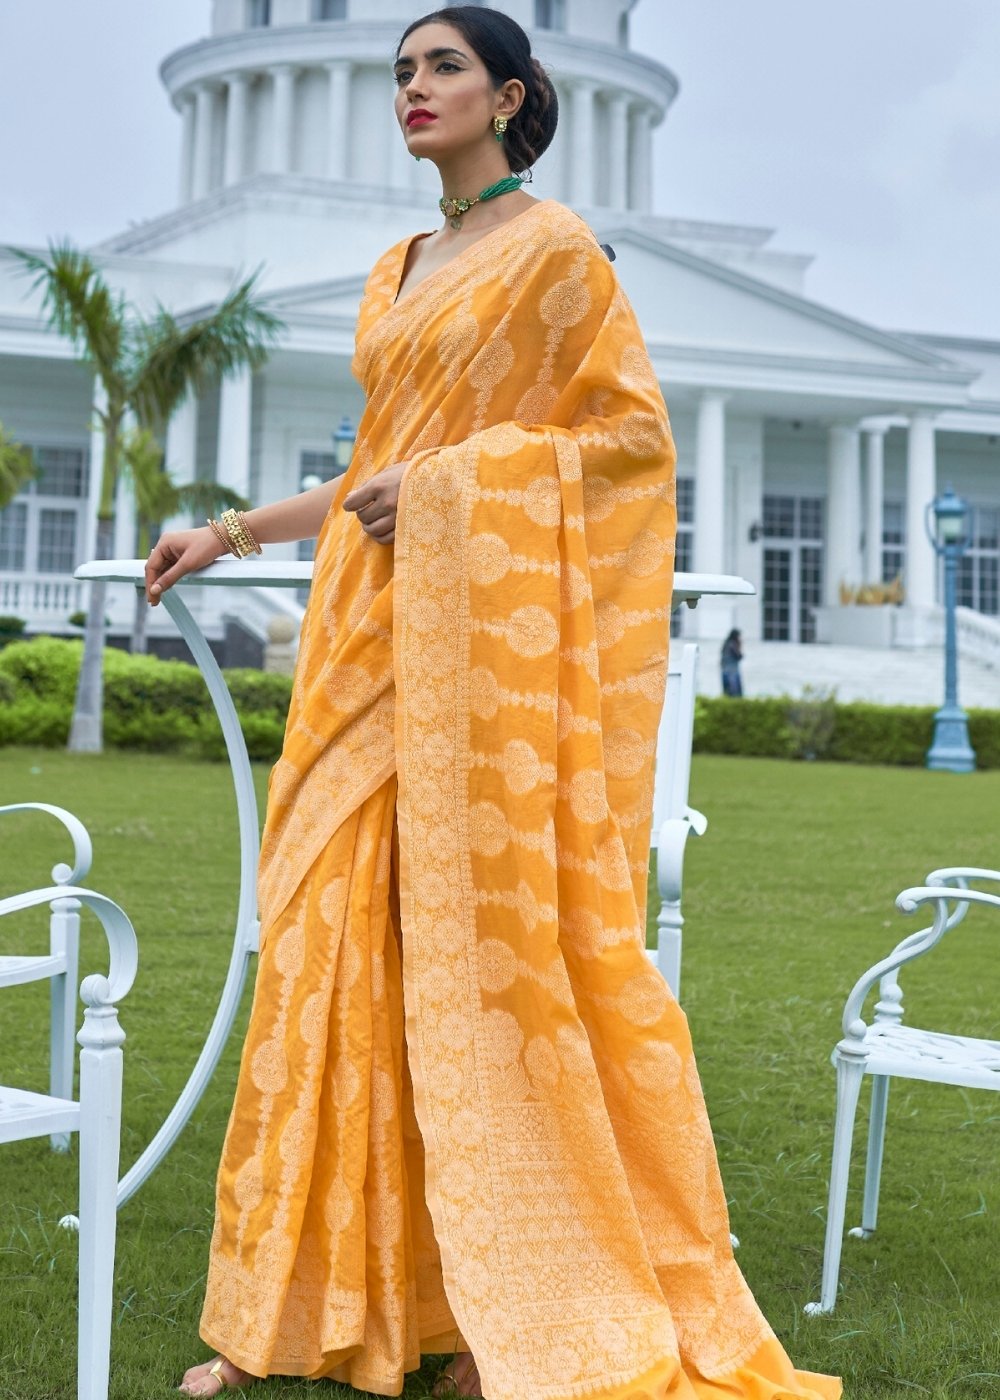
point(510, 98)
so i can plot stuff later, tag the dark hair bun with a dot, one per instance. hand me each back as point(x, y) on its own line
point(531, 130)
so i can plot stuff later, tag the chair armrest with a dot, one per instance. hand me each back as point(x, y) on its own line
point(83, 852)
point(956, 874)
point(698, 821)
point(671, 841)
point(916, 944)
point(96, 990)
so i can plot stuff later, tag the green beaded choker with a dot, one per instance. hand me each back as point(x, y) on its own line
point(453, 209)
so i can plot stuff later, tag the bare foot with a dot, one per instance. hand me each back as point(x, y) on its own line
point(459, 1377)
point(199, 1380)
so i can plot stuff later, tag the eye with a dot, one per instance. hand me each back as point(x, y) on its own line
point(402, 75)
point(447, 63)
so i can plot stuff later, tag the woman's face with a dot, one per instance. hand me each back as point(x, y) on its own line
point(445, 98)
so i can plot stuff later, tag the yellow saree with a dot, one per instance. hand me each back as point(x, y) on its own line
point(467, 1105)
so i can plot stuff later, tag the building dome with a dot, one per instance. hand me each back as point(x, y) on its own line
point(303, 88)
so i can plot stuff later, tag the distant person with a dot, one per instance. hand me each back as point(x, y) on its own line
point(732, 655)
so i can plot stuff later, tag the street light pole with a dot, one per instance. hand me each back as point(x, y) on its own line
point(950, 748)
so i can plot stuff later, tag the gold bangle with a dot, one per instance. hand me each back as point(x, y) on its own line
point(250, 534)
point(236, 533)
point(239, 534)
point(222, 536)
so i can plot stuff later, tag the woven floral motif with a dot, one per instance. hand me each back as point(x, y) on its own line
point(467, 1108)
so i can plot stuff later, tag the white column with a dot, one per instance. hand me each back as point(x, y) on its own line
point(187, 148)
point(641, 160)
point(282, 118)
point(843, 510)
point(583, 156)
point(237, 95)
point(875, 493)
point(338, 109)
point(232, 466)
point(710, 484)
point(182, 453)
point(204, 119)
point(618, 152)
point(921, 488)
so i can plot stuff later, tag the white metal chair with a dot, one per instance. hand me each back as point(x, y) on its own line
point(673, 820)
point(60, 964)
point(96, 1116)
point(887, 1049)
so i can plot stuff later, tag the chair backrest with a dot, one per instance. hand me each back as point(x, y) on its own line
point(675, 737)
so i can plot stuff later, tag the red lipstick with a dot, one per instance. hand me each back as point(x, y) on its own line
point(420, 116)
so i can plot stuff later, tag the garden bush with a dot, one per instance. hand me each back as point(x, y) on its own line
point(783, 727)
point(149, 704)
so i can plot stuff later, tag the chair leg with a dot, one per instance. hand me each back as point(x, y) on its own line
point(849, 1075)
point(64, 938)
point(668, 944)
point(873, 1164)
point(100, 1140)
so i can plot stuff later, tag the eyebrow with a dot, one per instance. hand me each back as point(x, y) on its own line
point(431, 53)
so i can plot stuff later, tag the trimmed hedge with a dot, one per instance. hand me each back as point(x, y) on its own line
point(158, 706)
point(782, 727)
point(164, 706)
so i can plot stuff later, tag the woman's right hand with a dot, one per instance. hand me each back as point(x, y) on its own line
point(177, 553)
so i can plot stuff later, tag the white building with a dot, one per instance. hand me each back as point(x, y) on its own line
point(810, 443)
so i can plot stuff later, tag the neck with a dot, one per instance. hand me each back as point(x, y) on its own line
point(466, 173)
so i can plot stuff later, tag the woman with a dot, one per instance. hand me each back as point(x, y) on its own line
point(729, 661)
point(467, 1116)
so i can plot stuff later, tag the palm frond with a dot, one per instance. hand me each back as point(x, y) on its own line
point(80, 305)
point(210, 497)
point(172, 356)
point(17, 468)
point(142, 462)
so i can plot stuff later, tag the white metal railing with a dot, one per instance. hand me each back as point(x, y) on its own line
point(256, 574)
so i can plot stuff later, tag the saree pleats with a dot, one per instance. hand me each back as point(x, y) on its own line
point(468, 1110)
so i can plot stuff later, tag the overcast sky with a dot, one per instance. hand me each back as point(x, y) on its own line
point(866, 132)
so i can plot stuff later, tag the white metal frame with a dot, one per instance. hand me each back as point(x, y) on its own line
point(60, 964)
point(886, 1049)
point(673, 820)
point(96, 1116)
point(259, 573)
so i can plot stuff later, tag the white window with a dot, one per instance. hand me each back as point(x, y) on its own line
point(550, 14)
point(13, 535)
point(43, 530)
point(258, 14)
point(330, 9)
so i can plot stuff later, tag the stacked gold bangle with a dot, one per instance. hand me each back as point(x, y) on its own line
point(234, 534)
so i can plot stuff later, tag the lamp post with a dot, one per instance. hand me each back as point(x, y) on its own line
point(343, 445)
point(950, 748)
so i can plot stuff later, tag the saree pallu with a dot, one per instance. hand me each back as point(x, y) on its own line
point(467, 1110)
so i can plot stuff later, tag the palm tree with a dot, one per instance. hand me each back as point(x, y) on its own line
point(17, 468)
point(157, 498)
point(145, 366)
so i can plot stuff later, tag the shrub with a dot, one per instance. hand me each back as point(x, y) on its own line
point(43, 667)
point(11, 628)
point(259, 692)
point(812, 720)
point(896, 735)
point(755, 728)
point(32, 721)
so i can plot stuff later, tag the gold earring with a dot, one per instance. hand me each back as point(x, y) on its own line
point(499, 127)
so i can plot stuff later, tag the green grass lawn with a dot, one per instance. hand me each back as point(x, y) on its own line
point(788, 899)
